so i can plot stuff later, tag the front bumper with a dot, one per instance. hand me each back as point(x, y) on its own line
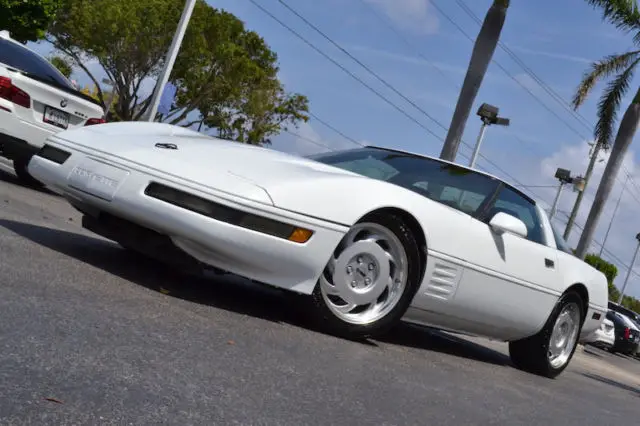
point(242, 251)
point(601, 338)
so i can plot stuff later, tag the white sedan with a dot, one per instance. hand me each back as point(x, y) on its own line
point(374, 236)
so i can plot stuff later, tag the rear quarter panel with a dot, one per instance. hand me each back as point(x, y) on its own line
point(576, 271)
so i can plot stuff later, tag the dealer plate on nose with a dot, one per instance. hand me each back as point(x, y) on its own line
point(97, 178)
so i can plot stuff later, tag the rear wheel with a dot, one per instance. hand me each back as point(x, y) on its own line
point(548, 353)
point(20, 166)
point(370, 279)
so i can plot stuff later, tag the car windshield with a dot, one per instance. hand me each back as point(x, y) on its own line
point(455, 186)
point(34, 66)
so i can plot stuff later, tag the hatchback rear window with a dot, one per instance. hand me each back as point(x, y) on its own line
point(22, 59)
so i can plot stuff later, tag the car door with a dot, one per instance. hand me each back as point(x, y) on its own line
point(508, 281)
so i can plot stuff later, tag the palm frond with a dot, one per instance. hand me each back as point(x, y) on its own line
point(609, 104)
point(610, 65)
point(623, 14)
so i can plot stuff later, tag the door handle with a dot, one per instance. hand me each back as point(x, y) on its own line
point(549, 263)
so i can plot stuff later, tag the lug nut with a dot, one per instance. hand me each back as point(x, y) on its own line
point(367, 281)
point(349, 270)
point(359, 259)
point(354, 284)
point(372, 266)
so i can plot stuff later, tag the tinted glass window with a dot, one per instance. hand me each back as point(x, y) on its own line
point(561, 243)
point(510, 202)
point(455, 186)
point(23, 59)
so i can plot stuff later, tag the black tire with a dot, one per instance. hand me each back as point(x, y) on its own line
point(20, 166)
point(530, 354)
point(331, 324)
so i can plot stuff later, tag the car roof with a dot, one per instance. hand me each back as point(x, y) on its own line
point(480, 172)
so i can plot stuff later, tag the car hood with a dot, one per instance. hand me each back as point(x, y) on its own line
point(199, 157)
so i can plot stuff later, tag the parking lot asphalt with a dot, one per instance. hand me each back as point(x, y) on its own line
point(92, 334)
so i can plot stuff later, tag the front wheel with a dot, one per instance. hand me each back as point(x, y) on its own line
point(548, 353)
point(370, 280)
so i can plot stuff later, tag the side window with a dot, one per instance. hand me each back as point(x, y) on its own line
point(512, 203)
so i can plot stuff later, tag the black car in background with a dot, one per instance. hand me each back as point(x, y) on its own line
point(635, 317)
point(627, 334)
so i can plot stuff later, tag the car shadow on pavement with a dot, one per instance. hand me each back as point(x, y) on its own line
point(430, 339)
point(612, 382)
point(228, 292)
point(13, 180)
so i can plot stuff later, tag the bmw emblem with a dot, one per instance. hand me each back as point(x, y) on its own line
point(63, 103)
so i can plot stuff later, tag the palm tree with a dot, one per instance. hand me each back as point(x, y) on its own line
point(483, 49)
point(618, 69)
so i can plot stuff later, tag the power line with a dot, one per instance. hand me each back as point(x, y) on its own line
point(334, 129)
point(369, 87)
point(352, 75)
point(579, 117)
point(455, 24)
point(529, 72)
point(367, 68)
point(408, 43)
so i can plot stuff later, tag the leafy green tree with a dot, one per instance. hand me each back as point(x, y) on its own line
point(483, 50)
point(618, 70)
point(62, 65)
point(608, 269)
point(225, 75)
point(27, 20)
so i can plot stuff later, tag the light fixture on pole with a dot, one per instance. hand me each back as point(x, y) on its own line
point(170, 59)
point(615, 210)
point(488, 115)
point(564, 176)
point(626, 279)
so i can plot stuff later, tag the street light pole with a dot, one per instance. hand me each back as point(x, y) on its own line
point(554, 207)
point(111, 98)
point(488, 115)
point(626, 279)
point(476, 150)
point(615, 210)
point(170, 59)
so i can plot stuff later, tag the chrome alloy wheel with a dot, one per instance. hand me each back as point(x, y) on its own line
point(564, 335)
point(366, 276)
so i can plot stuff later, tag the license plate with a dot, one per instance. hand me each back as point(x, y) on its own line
point(56, 117)
point(97, 178)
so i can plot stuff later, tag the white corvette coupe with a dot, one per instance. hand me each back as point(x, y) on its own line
point(374, 236)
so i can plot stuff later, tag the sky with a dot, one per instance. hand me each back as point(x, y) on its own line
point(420, 50)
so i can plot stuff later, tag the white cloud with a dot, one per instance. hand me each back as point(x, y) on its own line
point(554, 55)
point(416, 16)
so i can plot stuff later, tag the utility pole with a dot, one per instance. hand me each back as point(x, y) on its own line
point(170, 59)
point(615, 210)
point(624, 286)
point(587, 178)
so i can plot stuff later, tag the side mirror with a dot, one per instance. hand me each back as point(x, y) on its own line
point(503, 222)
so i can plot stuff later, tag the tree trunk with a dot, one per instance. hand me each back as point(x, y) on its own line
point(587, 178)
point(483, 49)
point(626, 132)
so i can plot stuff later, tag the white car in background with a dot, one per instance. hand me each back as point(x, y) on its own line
point(373, 235)
point(36, 101)
point(604, 337)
